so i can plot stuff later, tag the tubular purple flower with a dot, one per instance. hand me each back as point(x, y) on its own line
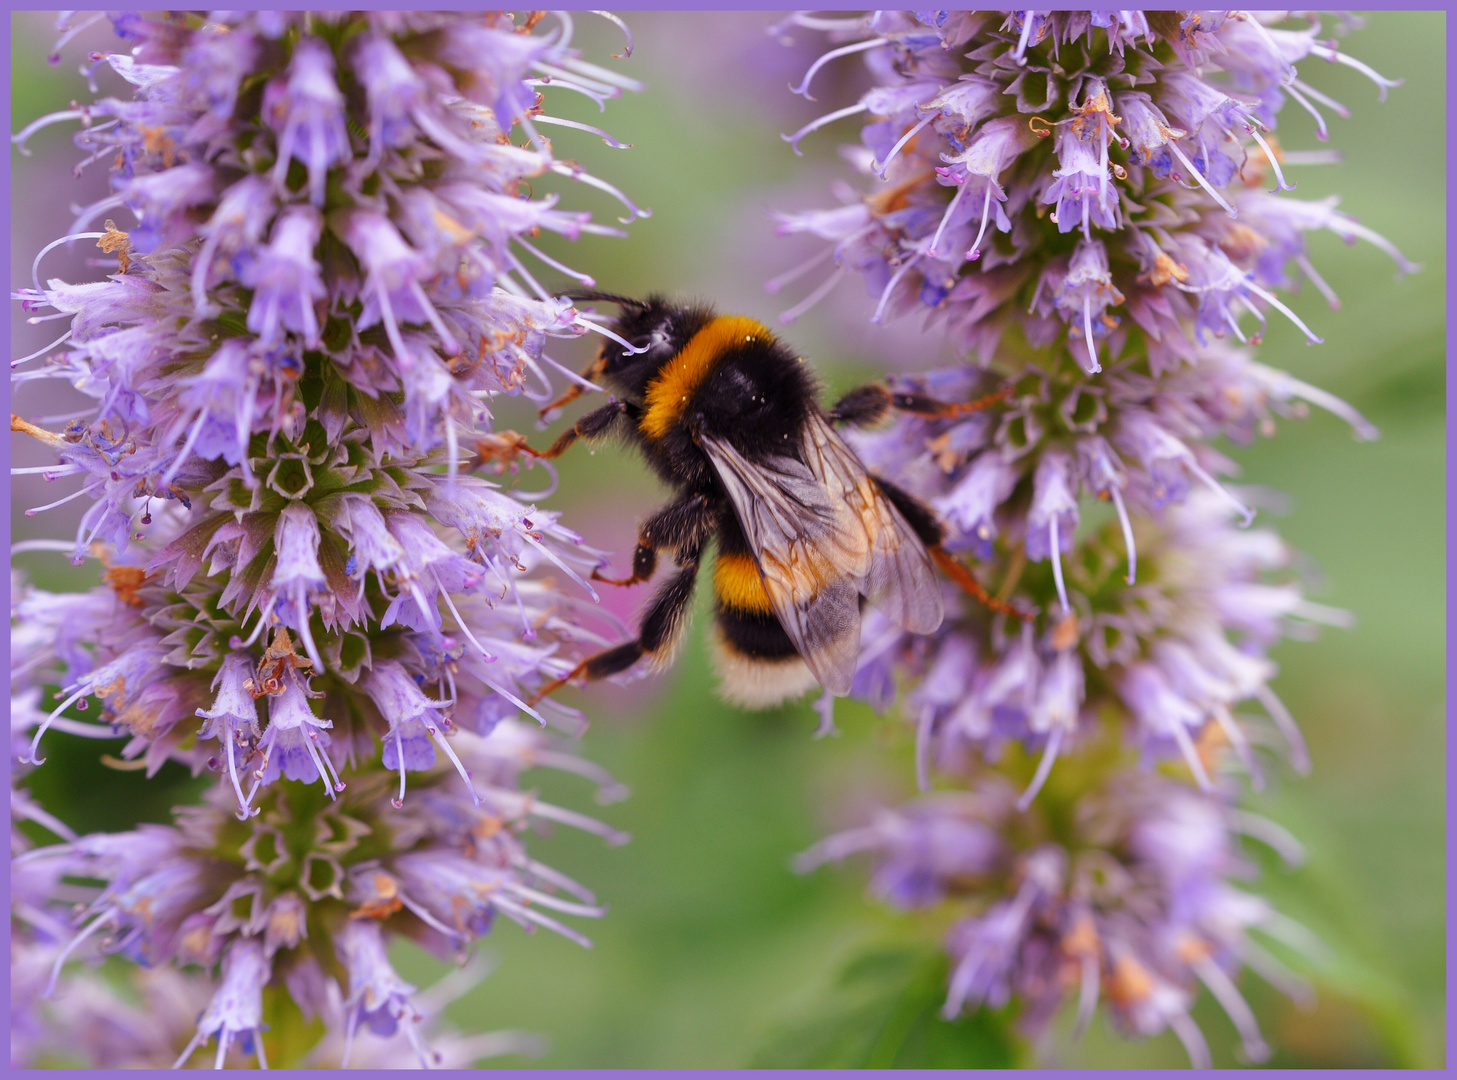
point(295, 744)
point(233, 721)
point(237, 1007)
point(970, 506)
point(297, 574)
point(285, 279)
point(307, 111)
point(1053, 518)
point(414, 720)
point(378, 997)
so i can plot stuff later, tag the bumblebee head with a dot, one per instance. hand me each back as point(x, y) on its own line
point(656, 328)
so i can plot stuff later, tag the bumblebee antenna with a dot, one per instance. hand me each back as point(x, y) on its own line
point(606, 298)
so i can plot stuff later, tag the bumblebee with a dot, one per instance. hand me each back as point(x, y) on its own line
point(728, 416)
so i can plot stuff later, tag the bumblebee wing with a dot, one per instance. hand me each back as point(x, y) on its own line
point(808, 552)
point(896, 575)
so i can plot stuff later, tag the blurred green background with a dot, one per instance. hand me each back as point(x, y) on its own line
point(715, 953)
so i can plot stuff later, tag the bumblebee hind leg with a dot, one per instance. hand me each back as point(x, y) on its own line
point(868, 405)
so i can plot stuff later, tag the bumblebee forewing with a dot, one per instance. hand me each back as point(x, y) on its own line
point(896, 575)
point(810, 554)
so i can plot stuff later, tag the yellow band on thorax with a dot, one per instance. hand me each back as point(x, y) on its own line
point(669, 392)
point(736, 582)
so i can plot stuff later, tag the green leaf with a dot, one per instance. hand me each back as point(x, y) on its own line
point(885, 1012)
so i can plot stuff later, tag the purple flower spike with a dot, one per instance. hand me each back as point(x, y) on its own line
point(1105, 330)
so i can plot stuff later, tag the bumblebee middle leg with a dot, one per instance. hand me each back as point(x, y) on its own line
point(866, 406)
point(662, 629)
point(681, 525)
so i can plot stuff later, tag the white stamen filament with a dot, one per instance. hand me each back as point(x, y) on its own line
point(773, 285)
point(946, 217)
point(1199, 178)
point(1236, 736)
point(581, 176)
point(585, 279)
point(1055, 554)
point(834, 54)
point(182, 454)
point(557, 121)
point(1325, 614)
point(1324, 99)
point(1346, 227)
point(974, 252)
point(71, 946)
point(1275, 303)
point(578, 821)
point(629, 348)
point(514, 700)
point(556, 76)
point(1281, 184)
point(20, 137)
point(244, 809)
point(1321, 131)
point(301, 605)
point(1044, 768)
point(896, 149)
point(602, 74)
point(536, 287)
point(1020, 52)
point(52, 472)
point(1182, 1025)
point(522, 914)
point(815, 125)
point(1127, 528)
point(1088, 332)
point(1225, 992)
point(83, 730)
point(1191, 755)
point(447, 339)
point(41, 352)
point(1233, 323)
point(59, 502)
point(565, 568)
point(465, 629)
point(1285, 385)
point(824, 290)
point(1219, 489)
point(556, 903)
point(439, 737)
point(626, 32)
point(1313, 276)
point(1351, 62)
point(890, 285)
point(1273, 836)
point(1299, 756)
point(35, 264)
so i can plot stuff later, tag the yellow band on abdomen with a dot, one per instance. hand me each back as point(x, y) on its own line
point(737, 584)
point(669, 392)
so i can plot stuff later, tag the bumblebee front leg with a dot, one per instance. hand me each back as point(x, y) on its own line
point(662, 628)
point(868, 405)
point(594, 425)
point(679, 526)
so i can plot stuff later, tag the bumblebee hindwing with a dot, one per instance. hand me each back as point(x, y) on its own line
point(799, 541)
point(898, 577)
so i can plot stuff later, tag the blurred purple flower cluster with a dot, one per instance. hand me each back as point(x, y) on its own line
point(305, 592)
point(1077, 198)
